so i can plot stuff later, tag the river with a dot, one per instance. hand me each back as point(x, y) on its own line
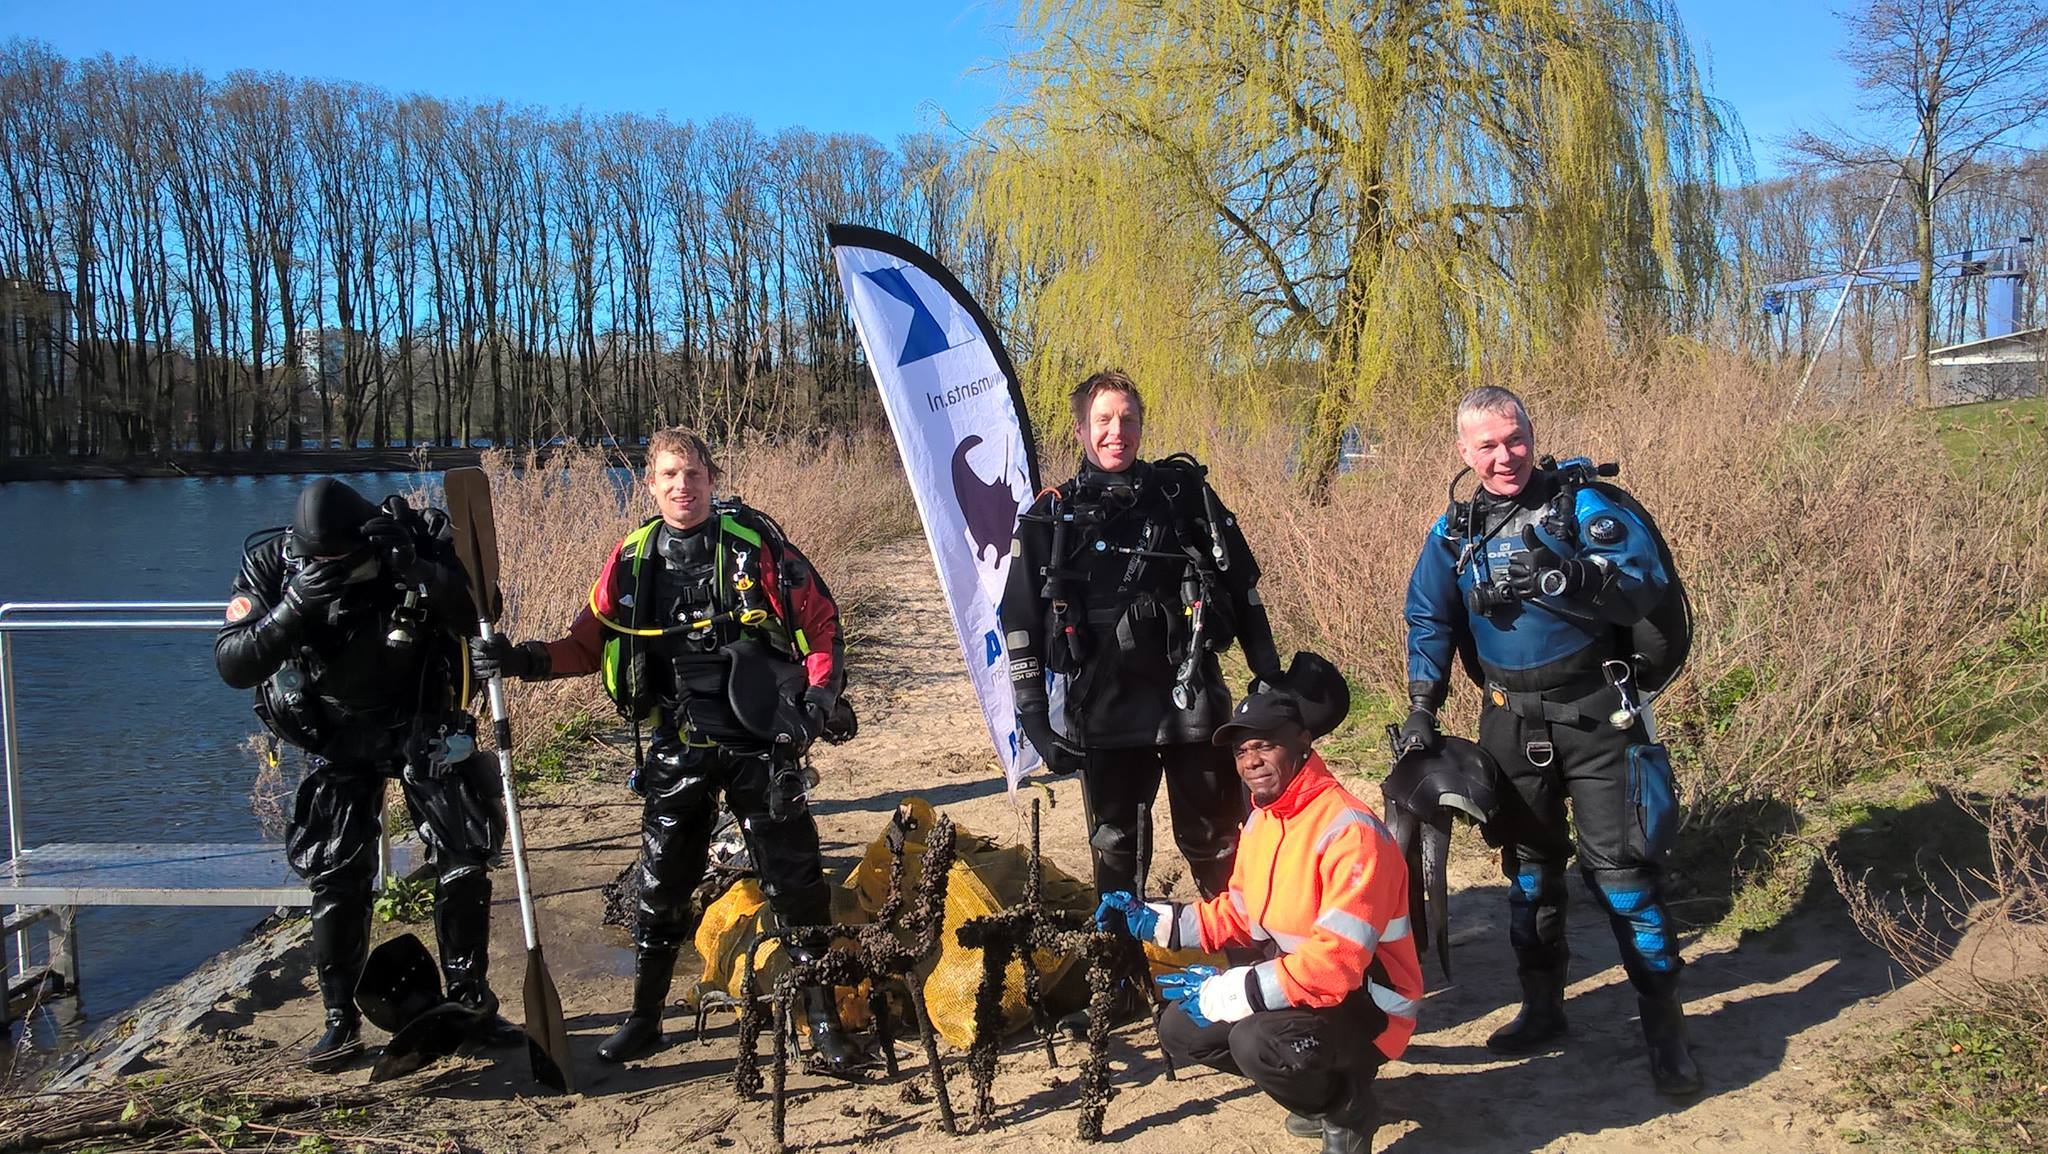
point(132, 736)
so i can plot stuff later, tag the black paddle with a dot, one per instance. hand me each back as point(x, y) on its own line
point(476, 542)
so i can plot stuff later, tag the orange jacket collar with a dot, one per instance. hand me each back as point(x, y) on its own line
point(1314, 778)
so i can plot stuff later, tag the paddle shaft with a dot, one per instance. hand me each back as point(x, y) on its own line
point(501, 731)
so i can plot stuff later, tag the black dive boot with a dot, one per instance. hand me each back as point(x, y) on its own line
point(1671, 1064)
point(1349, 1128)
point(1541, 1020)
point(462, 926)
point(341, 944)
point(835, 1053)
point(640, 1034)
point(340, 1045)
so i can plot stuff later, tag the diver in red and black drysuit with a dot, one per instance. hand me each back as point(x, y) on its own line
point(1129, 579)
point(711, 626)
point(351, 626)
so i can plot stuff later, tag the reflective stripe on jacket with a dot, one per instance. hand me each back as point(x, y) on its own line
point(1319, 876)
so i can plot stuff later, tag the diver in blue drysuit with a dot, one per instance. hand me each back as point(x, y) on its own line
point(1537, 580)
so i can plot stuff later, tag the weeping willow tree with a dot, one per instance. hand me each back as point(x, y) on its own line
point(1387, 198)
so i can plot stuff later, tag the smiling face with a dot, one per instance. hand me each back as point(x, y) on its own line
point(681, 484)
point(1267, 762)
point(1500, 448)
point(1109, 434)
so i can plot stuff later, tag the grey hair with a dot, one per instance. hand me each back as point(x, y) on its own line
point(1490, 399)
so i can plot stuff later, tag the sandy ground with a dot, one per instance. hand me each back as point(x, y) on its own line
point(1767, 1018)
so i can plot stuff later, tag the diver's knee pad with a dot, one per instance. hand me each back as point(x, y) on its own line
point(1536, 898)
point(1634, 903)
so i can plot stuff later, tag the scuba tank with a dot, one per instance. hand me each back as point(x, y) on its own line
point(1658, 644)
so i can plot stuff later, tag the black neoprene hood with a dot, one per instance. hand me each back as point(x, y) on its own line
point(329, 519)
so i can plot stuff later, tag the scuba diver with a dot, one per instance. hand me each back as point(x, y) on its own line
point(1129, 579)
point(351, 626)
point(707, 623)
point(1557, 592)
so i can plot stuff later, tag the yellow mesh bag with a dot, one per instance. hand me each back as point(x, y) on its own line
point(740, 916)
point(985, 879)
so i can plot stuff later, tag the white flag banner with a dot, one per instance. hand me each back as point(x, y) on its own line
point(952, 398)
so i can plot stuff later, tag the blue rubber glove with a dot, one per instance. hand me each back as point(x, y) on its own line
point(1184, 987)
point(1139, 920)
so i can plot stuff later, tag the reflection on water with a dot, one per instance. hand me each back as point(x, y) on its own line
point(132, 736)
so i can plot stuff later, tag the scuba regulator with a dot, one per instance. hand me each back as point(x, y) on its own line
point(1486, 598)
point(406, 617)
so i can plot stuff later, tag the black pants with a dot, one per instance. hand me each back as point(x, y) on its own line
point(682, 784)
point(1202, 788)
point(1318, 1063)
point(331, 841)
point(1588, 764)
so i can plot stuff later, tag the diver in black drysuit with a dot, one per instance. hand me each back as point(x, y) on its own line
point(372, 687)
point(1130, 627)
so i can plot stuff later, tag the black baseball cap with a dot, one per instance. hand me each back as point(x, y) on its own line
point(1263, 712)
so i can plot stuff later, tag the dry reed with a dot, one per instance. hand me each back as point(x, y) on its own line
point(1865, 602)
point(1998, 914)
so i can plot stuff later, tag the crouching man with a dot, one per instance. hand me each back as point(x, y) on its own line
point(1321, 887)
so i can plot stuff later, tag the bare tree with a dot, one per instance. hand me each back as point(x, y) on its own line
point(1948, 79)
point(181, 257)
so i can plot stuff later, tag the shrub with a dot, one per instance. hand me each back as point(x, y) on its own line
point(1867, 601)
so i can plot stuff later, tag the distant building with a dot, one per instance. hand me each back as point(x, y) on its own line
point(321, 354)
point(1994, 368)
point(35, 323)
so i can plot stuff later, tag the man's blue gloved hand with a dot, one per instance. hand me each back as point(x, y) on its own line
point(1139, 920)
point(1184, 989)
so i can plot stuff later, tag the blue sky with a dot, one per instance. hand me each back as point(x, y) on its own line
point(883, 69)
point(827, 66)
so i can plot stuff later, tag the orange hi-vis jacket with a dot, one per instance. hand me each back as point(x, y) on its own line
point(1319, 876)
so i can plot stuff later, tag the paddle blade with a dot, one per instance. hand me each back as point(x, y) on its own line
point(476, 535)
point(547, 1038)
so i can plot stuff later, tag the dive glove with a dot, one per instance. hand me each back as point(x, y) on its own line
point(1138, 919)
point(817, 709)
point(1061, 755)
point(496, 656)
point(312, 587)
point(1419, 731)
point(1541, 570)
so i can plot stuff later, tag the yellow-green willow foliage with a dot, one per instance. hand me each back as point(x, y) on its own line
point(1398, 197)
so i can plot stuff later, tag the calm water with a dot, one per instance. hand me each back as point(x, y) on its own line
point(132, 736)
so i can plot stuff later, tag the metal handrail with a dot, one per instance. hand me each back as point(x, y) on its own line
point(44, 617)
point(10, 624)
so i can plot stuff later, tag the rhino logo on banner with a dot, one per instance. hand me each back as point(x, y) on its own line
point(988, 507)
